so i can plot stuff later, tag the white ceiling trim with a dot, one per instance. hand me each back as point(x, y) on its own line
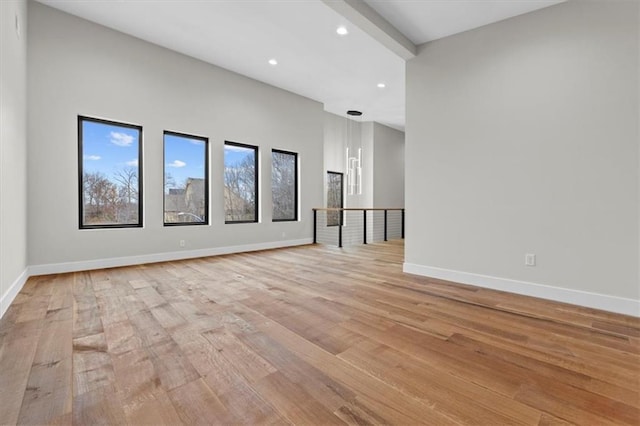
point(371, 22)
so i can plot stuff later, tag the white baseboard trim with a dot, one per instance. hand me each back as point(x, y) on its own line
point(59, 268)
point(10, 295)
point(604, 302)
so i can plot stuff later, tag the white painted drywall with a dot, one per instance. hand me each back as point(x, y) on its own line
point(382, 162)
point(13, 149)
point(78, 67)
point(340, 133)
point(522, 137)
point(382, 170)
point(335, 136)
point(388, 166)
point(388, 180)
point(365, 199)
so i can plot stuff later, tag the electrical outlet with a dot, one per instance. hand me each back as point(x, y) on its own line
point(182, 243)
point(530, 259)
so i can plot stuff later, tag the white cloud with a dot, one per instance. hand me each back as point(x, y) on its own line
point(196, 141)
point(177, 164)
point(121, 139)
point(237, 148)
point(133, 163)
point(92, 157)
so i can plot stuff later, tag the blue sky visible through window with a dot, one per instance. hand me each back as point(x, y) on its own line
point(108, 148)
point(184, 158)
point(110, 174)
point(233, 155)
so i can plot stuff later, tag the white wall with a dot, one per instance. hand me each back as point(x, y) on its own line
point(388, 164)
point(340, 133)
point(522, 137)
point(78, 67)
point(382, 172)
point(388, 180)
point(334, 143)
point(13, 152)
point(382, 162)
point(365, 199)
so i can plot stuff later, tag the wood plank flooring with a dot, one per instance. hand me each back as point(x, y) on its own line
point(307, 335)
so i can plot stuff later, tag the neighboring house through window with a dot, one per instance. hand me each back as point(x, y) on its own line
point(186, 193)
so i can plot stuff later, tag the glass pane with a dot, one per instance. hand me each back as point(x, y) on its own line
point(334, 198)
point(283, 185)
point(110, 174)
point(185, 179)
point(240, 184)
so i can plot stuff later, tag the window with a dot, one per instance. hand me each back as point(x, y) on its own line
point(334, 198)
point(186, 199)
point(240, 183)
point(284, 185)
point(110, 174)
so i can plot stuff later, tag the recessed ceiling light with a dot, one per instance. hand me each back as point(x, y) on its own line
point(273, 62)
point(342, 30)
point(382, 85)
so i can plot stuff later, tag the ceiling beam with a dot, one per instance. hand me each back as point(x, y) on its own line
point(367, 19)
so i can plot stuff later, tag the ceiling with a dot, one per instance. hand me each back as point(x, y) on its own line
point(426, 20)
point(342, 72)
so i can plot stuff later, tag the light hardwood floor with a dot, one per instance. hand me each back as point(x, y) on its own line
point(307, 335)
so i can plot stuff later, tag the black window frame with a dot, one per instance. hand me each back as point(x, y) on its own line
point(255, 148)
point(340, 214)
point(140, 222)
point(295, 174)
point(206, 177)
